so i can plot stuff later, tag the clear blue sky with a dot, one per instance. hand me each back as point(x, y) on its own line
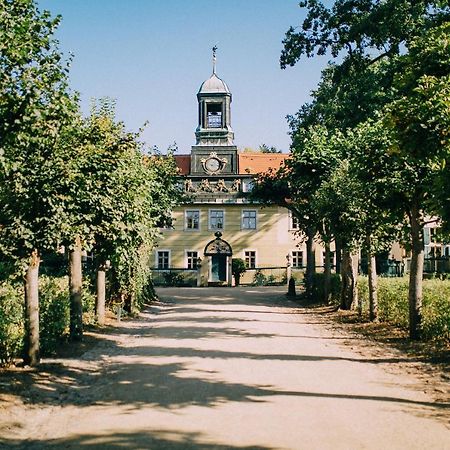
point(152, 55)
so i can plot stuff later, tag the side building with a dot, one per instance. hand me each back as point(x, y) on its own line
point(219, 223)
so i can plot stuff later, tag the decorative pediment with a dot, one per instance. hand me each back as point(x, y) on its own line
point(218, 246)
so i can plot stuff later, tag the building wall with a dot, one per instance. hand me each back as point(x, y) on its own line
point(272, 239)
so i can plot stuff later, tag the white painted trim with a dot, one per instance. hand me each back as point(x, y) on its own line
point(290, 223)
point(242, 219)
point(163, 250)
point(199, 219)
point(209, 219)
point(186, 256)
point(256, 256)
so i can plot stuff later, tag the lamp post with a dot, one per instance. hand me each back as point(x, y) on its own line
point(290, 280)
point(288, 268)
point(198, 265)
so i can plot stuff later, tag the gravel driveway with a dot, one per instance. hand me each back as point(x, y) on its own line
point(224, 368)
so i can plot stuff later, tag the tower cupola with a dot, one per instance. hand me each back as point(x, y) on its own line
point(214, 111)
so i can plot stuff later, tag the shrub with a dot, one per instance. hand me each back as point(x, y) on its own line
point(259, 279)
point(238, 267)
point(11, 322)
point(393, 301)
point(54, 312)
point(436, 310)
point(89, 297)
point(393, 304)
point(147, 293)
point(173, 279)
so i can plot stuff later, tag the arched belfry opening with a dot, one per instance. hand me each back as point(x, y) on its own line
point(219, 254)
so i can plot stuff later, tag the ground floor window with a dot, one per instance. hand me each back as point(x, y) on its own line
point(163, 259)
point(297, 259)
point(250, 259)
point(191, 258)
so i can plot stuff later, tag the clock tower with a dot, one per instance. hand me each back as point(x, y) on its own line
point(214, 152)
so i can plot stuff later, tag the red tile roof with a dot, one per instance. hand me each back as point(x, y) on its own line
point(254, 163)
point(183, 164)
point(248, 163)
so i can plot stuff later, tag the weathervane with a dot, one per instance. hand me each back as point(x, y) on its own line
point(214, 50)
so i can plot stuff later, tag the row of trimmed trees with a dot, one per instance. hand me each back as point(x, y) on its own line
point(371, 151)
point(67, 181)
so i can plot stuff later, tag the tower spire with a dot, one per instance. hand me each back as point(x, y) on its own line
point(214, 50)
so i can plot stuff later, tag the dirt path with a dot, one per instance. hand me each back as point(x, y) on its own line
point(224, 369)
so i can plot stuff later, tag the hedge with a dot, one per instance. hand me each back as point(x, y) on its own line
point(393, 304)
point(54, 315)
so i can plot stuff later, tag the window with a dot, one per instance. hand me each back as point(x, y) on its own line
point(191, 259)
point(293, 222)
point(434, 235)
point(192, 220)
point(249, 220)
point(297, 259)
point(250, 259)
point(163, 259)
point(216, 219)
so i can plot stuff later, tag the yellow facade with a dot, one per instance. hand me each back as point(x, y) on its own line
point(271, 241)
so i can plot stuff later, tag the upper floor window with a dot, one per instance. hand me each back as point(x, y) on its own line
point(294, 223)
point(249, 219)
point(193, 220)
point(216, 219)
point(191, 259)
point(163, 259)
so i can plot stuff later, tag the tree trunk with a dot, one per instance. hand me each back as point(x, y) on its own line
point(349, 274)
point(338, 249)
point(76, 281)
point(355, 298)
point(31, 281)
point(373, 283)
point(327, 274)
point(101, 294)
point(416, 274)
point(310, 263)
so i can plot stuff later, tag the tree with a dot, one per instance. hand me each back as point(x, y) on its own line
point(370, 33)
point(420, 120)
point(35, 105)
point(294, 184)
point(263, 148)
point(118, 197)
point(360, 30)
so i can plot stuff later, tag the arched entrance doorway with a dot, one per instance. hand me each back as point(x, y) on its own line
point(219, 254)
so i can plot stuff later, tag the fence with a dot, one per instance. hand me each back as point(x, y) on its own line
point(437, 265)
point(174, 277)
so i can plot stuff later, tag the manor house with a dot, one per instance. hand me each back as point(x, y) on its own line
point(220, 223)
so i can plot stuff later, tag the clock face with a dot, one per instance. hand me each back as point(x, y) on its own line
point(212, 164)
